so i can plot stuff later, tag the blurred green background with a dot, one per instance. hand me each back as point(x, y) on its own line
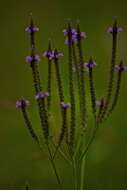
point(20, 159)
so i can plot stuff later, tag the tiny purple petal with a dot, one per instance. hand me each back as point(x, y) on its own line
point(56, 55)
point(41, 95)
point(83, 34)
point(119, 29)
point(65, 32)
point(74, 32)
point(29, 59)
point(100, 103)
point(60, 55)
point(65, 105)
point(110, 30)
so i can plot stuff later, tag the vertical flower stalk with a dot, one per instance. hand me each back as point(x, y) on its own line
point(33, 60)
point(27, 187)
point(64, 129)
point(77, 70)
point(40, 97)
point(56, 55)
point(100, 104)
point(69, 32)
point(114, 31)
point(76, 67)
point(90, 67)
point(48, 55)
point(22, 104)
point(49, 80)
point(120, 68)
point(32, 30)
point(78, 38)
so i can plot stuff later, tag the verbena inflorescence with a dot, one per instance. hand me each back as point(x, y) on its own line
point(73, 126)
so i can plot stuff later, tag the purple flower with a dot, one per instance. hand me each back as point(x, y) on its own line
point(100, 103)
point(90, 65)
point(65, 105)
point(56, 54)
point(32, 58)
point(69, 31)
point(52, 54)
point(121, 68)
point(115, 29)
point(32, 29)
point(48, 54)
point(79, 36)
point(22, 103)
point(73, 35)
point(41, 95)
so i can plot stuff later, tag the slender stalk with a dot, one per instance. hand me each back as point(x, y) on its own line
point(83, 163)
point(49, 84)
point(74, 174)
point(29, 125)
point(54, 167)
point(59, 81)
point(89, 143)
point(117, 92)
point(62, 131)
point(111, 74)
point(82, 80)
point(71, 92)
point(49, 77)
point(77, 71)
point(92, 92)
point(41, 103)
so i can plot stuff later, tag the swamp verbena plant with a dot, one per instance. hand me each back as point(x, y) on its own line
point(71, 142)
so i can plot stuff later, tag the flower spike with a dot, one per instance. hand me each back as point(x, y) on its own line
point(22, 103)
point(65, 105)
point(32, 59)
point(41, 95)
point(31, 29)
point(115, 29)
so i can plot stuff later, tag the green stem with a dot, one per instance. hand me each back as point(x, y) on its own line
point(54, 167)
point(61, 153)
point(75, 174)
point(82, 173)
point(89, 143)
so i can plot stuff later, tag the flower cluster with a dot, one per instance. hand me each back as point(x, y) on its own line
point(114, 29)
point(72, 35)
point(52, 54)
point(32, 29)
point(41, 95)
point(22, 103)
point(32, 58)
point(65, 105)
point(120, 67)
point(90, 65)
